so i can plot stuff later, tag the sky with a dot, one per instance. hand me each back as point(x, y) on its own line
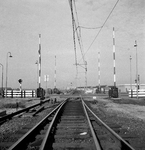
point(21, 22)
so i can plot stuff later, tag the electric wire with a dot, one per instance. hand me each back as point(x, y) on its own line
point(75, 29)
point(102, 26)
point(90, 27)
point(79, 34)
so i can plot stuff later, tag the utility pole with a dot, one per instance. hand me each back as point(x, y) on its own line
point(8, 55)
point(130, 76)
point(86, 74)
point(74, 30)
point(135, 45)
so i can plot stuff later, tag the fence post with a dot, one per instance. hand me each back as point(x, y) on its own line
point(12, 93)
point(24, 93)
point(21, 93)
point(32, 93)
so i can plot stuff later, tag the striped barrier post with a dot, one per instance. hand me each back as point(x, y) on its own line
point(99, 72)
point(114, 58)
point(39, 51)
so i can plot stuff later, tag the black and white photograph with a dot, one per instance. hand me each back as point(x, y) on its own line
point(72, 75)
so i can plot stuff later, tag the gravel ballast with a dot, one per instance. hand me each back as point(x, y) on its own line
point(128, 114)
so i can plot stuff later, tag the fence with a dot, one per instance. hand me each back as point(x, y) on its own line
point(133, 93)
point(20, 94)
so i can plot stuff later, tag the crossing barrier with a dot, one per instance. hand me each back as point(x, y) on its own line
point(20, 94)
point(133, 93)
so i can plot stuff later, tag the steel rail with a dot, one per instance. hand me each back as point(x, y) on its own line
point(108, 128)
point(9, 116)
point(45, 140)
point(32, 131)
point(97, 145)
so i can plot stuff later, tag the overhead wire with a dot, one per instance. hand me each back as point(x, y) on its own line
point(79, 34)
point(90, 27)
point(75, 29)
point(102, 27)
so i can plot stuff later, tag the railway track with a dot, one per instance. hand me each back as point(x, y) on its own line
point(34, 109)
point(71, 125)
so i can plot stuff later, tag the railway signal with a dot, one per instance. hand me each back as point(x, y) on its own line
point(20, 81)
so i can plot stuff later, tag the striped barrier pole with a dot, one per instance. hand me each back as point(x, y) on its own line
point(39, 51)
point(55, 74)
point(131, 76)
point(99, 71)
point(114, 58)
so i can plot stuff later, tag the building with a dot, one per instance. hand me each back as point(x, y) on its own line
point(127, 87)
point(93, 89)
